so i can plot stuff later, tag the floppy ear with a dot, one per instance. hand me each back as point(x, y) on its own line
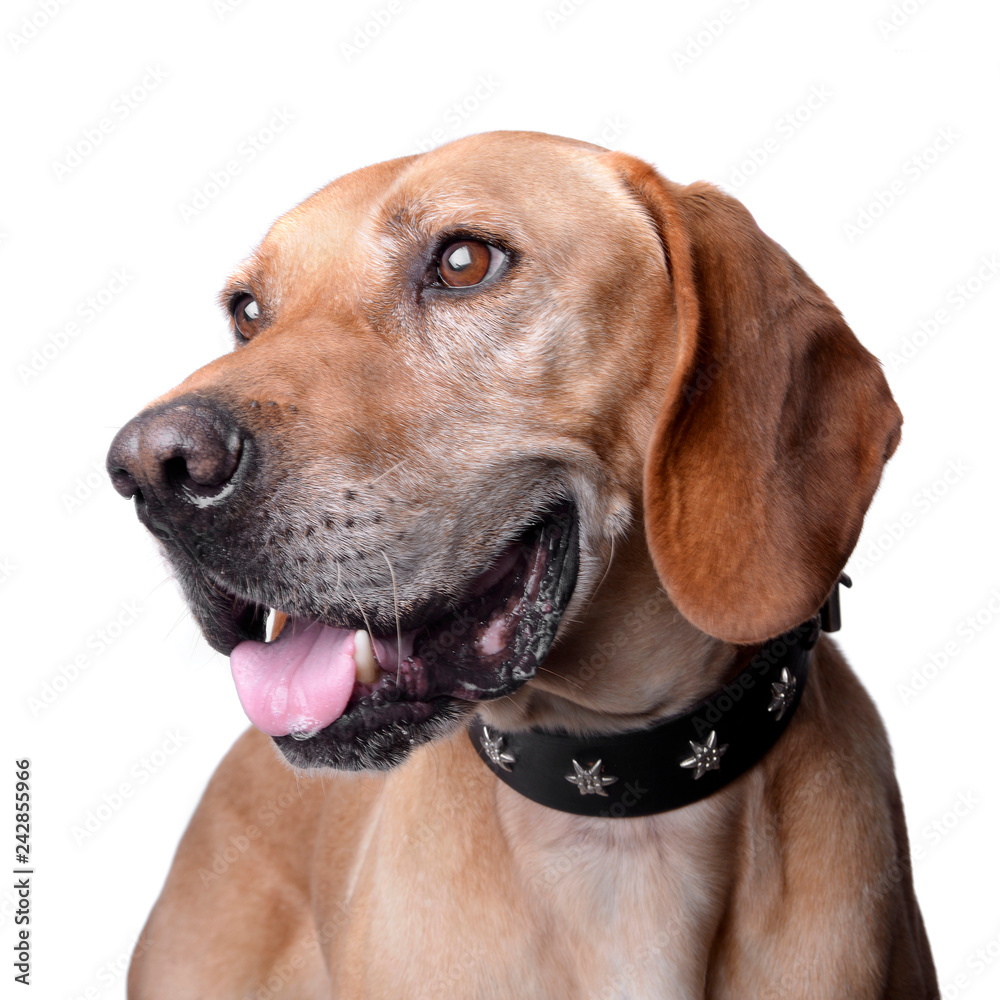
point(776, 424)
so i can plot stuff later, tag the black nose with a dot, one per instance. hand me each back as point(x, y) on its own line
point(178, 461)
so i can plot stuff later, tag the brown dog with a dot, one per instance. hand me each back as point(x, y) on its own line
point(518, 429)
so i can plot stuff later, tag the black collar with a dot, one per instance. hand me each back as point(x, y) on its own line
point(674, 763)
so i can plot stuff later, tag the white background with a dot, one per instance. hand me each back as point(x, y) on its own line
point(74, 558)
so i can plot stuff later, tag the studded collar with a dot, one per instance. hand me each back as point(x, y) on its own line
point(674, 763)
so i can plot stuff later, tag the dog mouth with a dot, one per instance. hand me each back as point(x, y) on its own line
point(341, 695)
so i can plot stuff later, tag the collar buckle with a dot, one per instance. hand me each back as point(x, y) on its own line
point(829, 613)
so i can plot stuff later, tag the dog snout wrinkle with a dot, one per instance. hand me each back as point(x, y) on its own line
point(178, 460)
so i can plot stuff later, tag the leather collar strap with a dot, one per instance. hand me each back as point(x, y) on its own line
point(669, 765)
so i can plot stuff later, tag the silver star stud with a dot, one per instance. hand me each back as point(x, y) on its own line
point(707, 755)
point(782, 693)
point(493, 748)
point(589, 780)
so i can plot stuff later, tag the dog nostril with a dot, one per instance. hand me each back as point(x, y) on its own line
point(206, 465)
point(123, 482)
point(175, 472)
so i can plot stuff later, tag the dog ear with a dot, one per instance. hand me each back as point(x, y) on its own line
point(770, 442)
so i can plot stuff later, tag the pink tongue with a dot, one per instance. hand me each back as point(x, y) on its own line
point(298, 684)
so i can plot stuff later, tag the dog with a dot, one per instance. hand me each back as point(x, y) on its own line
point(544, 470)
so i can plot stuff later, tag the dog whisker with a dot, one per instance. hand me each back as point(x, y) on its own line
point(555, 673)
point(600, 582)
point(395, 608)
point(362, 610)
point(393, 468)
point(184, 614)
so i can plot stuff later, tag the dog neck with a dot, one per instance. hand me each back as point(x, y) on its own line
point(668, 765)
point(676, 761)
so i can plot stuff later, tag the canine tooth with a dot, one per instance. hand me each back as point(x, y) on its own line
point(364, 659)
point(276, 621)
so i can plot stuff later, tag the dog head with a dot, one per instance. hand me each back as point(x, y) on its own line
point(459, 378)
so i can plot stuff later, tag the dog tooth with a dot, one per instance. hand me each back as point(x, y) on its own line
point(364, 659)
point(276, 621)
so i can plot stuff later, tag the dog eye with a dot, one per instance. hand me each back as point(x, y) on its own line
point(246, 316)
point(468, 262)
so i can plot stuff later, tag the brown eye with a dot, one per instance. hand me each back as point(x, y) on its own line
point(468, 262)
point(246, 316)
